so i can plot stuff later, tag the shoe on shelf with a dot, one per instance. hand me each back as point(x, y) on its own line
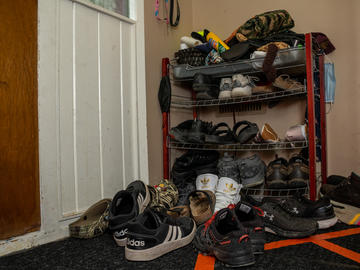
point(240, 86)
point(276, 174)
point(202, 82)
point(252, 171)
point(190, 131)
point(163, 195)
point(296, 133)
point(228, 167)
point(213, 93)
point(184, 188)
point(252, 220)
point(332, 182)
point(126, 205)
point(263, 89)
point(227, 192)
point(285, 83)
point(280, 222)
point(153, 234)
point(266, 135)
point(93, 222)
point(321, 211)
point(207, 181)
point(193, 159)
point(346, 193)
point(201, 204)
point(225, 88)
point(298, 172)
point(224, 237)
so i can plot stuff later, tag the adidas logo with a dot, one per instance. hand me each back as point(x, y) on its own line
point(121, 233)
point(205, 182)
point(135, 243)
point(229, 188)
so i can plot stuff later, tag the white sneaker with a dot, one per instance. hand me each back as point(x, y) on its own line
point(227, 192)
point(240, 86)
point(225, 88)
point(207, 181)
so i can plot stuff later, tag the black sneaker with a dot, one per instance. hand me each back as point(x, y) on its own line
point(278, 221)
point(346, 193)
point(190, 131)
point(193, 159)
point(321, 211)
point(126, 205)
point(251, 218)
point(298, 172)
point(225, 238)
point(153, 234)
point(276, 174)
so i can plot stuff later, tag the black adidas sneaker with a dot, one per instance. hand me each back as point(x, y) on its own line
point(126, 205)
point(153, 234)
point(321, 210)
point(225, 238)
point(251, 218)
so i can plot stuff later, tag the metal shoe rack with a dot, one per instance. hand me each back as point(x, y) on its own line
point(309, 92)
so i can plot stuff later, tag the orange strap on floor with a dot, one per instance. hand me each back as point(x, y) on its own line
point(205, 262)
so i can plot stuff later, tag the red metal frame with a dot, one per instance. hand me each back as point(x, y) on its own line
point(323, 121)
point(311, 115)
point(165, 125)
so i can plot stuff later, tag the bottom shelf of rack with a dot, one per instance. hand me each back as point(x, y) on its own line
point(239, 147)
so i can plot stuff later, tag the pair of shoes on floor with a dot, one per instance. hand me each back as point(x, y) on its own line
point(204, 87)
point(279, 217)
point(236, 86)
point(200, 206)
point(233, 235)
point(281, 174)
point(345, 193)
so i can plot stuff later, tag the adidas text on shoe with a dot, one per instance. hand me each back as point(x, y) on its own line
point(153, 234)
point(126, 205)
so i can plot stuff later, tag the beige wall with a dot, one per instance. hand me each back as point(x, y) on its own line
point(338, 21)
point(161, 41)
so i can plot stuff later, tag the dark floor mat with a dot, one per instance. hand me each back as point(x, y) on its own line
point(102, 253)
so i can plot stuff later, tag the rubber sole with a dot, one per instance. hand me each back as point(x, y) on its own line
point(159, 250)
point(288, 234)
point(253, 184)
point(327, 223)
point(298, 183)
point(120, 242)
point(224, 94)
point(241, 91)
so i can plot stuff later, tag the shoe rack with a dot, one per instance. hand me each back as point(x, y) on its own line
point(313, 66)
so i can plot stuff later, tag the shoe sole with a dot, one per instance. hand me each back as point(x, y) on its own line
point(159, 250)
point(241, 91)
point(253, 184)
point(278, 184)
point(225, 94)
point(327, 223)
point(288, 234)
point(120, 242)
point(297, 183)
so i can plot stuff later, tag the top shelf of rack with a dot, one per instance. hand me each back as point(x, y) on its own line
point(294, 58)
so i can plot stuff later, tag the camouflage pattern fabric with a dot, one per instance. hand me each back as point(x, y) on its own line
point(164, 195)
point(93, 222)
point(263, 25)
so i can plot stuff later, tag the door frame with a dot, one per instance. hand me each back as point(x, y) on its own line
point(53, 225)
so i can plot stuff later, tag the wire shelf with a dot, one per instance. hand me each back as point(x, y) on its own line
point(185, 102)
point(261, 192)
point(239, 147)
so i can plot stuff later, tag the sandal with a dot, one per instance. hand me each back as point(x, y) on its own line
point(246, 133)
point(220, 136)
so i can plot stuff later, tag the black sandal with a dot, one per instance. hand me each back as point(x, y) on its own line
point(246, 133)
point(220, 136)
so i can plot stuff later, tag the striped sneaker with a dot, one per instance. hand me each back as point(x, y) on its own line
point(153, 234)
point(126, 205)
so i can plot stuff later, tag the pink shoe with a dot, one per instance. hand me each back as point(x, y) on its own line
point(296, 133)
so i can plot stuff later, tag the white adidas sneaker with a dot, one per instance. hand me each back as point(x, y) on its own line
point(207, 181)
point(227, 192)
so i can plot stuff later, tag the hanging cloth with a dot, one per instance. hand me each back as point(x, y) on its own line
point(167, 19)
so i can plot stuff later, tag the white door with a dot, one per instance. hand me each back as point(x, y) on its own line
point(92, 110)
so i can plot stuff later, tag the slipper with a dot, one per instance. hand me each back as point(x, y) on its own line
point(236, 52)
point(93, 222)
point(179, 211)
point(202, 204)
point(220, 136)
point(246, 133)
